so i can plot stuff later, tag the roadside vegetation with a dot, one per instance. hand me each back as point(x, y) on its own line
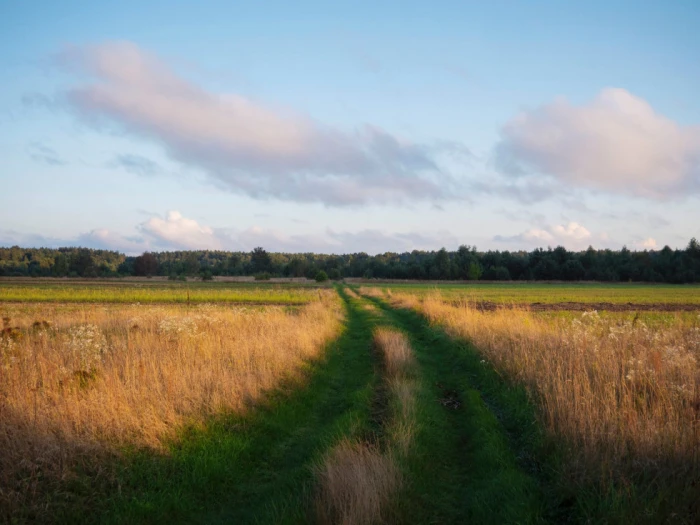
point(358, 480)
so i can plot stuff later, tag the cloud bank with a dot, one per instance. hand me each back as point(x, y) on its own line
point(617, 143)
point(249, 147)
point(175, 232)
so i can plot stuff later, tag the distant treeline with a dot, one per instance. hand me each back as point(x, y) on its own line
point(663, 266)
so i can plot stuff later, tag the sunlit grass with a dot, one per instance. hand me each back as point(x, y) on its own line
point(81, 382)
point(193, 294)
point(555, 293)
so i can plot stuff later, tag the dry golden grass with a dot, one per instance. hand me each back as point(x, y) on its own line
point(79, 382)
point(396, 352)
point(624, 397)
point(371, 291)
point(356, 483)
point(351, 293)
point(357, 480)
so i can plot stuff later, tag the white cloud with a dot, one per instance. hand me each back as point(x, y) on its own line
point(178, 232)
point(175, 232)
point(616, 143)
point(249, 147)
point(647, 244)
point(103, 238)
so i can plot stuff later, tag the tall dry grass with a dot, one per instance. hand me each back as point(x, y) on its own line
point(397, 355)
point(371, 291)
point(79, 382)
point(356, 484)
point(357, 480)
point(625, 397)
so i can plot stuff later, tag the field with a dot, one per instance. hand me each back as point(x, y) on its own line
point(158, 292)
point(143, 402)
point(570, 295)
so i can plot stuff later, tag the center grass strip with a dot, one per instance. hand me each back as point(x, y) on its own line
point(471, 459)
point(358, 480)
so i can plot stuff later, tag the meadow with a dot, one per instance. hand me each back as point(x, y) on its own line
point(525, 293)
point(157, 292)
point(285, 403)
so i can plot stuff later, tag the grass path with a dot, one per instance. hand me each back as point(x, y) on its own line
point(472, 461)
point(469, 461)
point(255, 468)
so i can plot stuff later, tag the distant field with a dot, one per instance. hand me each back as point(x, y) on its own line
point(530, 293)
point(126, 292)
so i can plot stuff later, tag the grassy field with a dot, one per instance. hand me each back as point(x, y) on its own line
point(527, 293)
point(259, 403)
point(618, 396)
point(193, 293)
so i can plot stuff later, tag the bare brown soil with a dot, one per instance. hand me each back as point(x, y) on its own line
point(489, 306)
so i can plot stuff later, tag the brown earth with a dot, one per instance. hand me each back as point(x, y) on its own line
point(585, 307)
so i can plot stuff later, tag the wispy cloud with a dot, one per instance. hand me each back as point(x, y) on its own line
point(39, 152)
point(136, 164)
point(250, 147)
point(617, 143)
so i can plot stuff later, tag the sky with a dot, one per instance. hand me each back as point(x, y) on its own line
point(341, 127)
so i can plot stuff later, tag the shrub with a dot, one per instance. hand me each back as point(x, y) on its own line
point(321, 277)
point(263, 276)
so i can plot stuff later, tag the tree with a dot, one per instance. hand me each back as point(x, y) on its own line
point(297, 267)
point(546, 270)
point(321, 277)
point(573, 270)
point(442, 263)
point(260, 260)
point(60, 266)
point(83, 264)
point(146, 264)
point(192, 263)
point(474, 271)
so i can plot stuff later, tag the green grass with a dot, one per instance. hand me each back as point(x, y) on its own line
point(157, 293)
point(557, 293)
point(255, 468)
point(474, 463)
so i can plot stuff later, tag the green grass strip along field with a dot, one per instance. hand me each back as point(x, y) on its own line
point(74, 293)
point(527, 293)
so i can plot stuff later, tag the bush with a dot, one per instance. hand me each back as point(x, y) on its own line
point(206, 275)
point(263, 276)
point(321, 277)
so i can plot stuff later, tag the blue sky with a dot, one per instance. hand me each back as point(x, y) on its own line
point(343, 127)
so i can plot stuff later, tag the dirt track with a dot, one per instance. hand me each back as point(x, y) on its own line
point(584, 307)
